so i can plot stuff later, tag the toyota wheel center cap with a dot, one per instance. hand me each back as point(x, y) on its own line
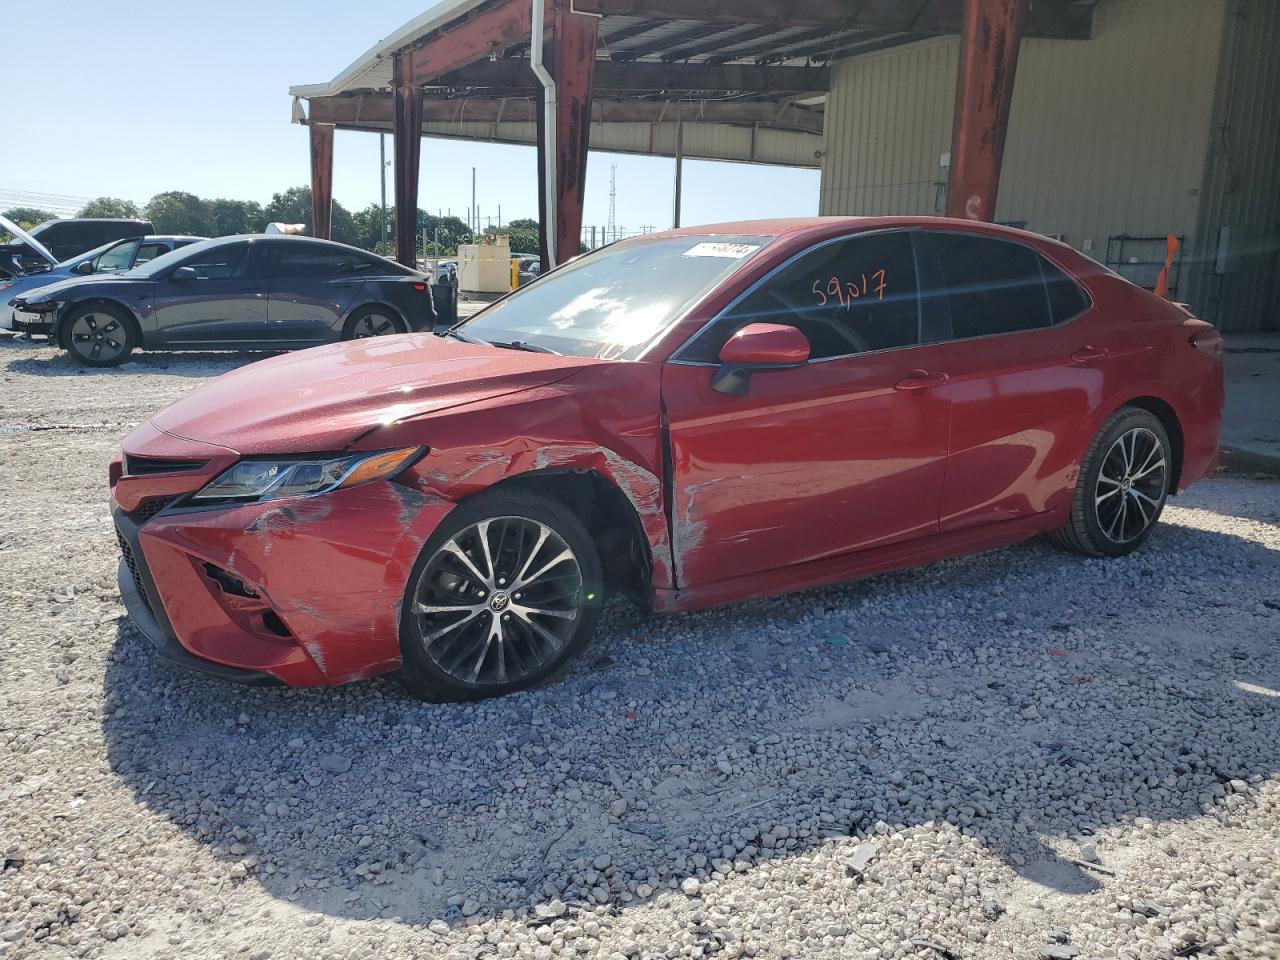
point(499, 601)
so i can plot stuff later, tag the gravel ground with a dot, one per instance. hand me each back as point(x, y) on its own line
point(1018, 755)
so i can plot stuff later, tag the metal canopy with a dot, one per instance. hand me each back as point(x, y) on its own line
point(752, 74)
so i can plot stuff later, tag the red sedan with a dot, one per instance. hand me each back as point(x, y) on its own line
point(690, 418)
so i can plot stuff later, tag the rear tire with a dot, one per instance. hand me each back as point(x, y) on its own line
point(504, 596)
point(372, 321)
point(99, 335)
point(1122, 487)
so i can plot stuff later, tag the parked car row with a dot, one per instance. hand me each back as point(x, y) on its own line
point(247, 292)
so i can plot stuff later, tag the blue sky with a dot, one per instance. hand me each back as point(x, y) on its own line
point(129, 100)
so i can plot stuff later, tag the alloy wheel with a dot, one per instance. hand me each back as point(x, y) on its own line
point(373, 325)
point(99, 336)
point(498, 600)
point(1131, 486)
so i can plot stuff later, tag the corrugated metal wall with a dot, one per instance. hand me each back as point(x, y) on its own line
point(1107, 136)
point(1241, 291)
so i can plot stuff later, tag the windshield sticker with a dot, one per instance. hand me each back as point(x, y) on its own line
point(731, 251)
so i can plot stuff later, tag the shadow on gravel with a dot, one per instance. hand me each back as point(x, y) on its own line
point(1113, 692)
point(189, 363)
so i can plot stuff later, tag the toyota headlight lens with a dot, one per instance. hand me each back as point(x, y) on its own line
point(256, 480)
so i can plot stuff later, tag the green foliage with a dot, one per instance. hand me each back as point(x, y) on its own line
point(294, 206)
point(523, 223)
point(522, 239)
point(111, 207)
point(231, 217)
point(183, 213)
point(28, 217)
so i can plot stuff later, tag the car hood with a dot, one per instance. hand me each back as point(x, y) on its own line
point(28, 239)
point(324, 398)
point(56, 289)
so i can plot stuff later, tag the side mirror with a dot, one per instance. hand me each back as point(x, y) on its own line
point(184, 275)
point(758, 346)
point(84, 269)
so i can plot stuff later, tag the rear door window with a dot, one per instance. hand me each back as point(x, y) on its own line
point(850, 296)
point(297, 260)
point(149, 251)
point(992, 286)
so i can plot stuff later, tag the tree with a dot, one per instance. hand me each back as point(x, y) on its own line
point(110, 207)
point(450, 231)
point(177, 212)
point(294, 206)
point(522, 239)
point(231, 217)
point(524, 223)
point(28, 217)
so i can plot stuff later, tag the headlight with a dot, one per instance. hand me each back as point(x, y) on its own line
point(256, 480)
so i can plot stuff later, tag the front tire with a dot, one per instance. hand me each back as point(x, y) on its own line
point(1122, 487)
point(99, 335)
point(504, 596)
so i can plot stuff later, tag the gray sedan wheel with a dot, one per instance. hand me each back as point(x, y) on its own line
point(372, 322)
point(99, 335)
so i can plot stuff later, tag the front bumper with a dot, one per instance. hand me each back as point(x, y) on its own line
point(305, 592)
point(32, 323)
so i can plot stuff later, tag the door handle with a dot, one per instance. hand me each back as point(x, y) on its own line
point(920, 380)
point(1089, 354)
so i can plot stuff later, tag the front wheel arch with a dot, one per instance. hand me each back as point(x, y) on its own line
point(62, 327)
point(610, 517)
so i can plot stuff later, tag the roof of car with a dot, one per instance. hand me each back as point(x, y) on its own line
point(821, 226)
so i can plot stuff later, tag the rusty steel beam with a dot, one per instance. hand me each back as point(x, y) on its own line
point(321, 135)
point(374, 111)
point(571, 56)
point(984, 92)
point(1051, 19)
point(406, 126)
point(471, 38)
point(515, 74)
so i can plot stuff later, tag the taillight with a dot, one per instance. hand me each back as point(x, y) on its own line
point(420, 287)
point(1208, 341)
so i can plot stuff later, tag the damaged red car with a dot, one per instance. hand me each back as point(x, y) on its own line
point(690, 418)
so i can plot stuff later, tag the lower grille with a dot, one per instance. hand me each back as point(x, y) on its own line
point(132, 564)
point(150, 508)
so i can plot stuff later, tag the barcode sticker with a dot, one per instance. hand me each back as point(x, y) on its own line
point(732, 251)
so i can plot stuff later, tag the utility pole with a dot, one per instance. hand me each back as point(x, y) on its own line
point(382, 170)
point(611, 231)
point(475, 211)
point(675, 215)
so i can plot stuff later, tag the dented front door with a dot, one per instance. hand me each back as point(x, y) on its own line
point(812, 462)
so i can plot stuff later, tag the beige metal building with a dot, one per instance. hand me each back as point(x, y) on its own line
point(1165, 121)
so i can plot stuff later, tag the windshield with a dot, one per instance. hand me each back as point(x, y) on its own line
point(611, 303)
point(166, 260)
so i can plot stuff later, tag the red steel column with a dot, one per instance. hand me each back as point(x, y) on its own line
point(321, 179)
point(407, 148)
point(573, 60)
point(984, 91)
